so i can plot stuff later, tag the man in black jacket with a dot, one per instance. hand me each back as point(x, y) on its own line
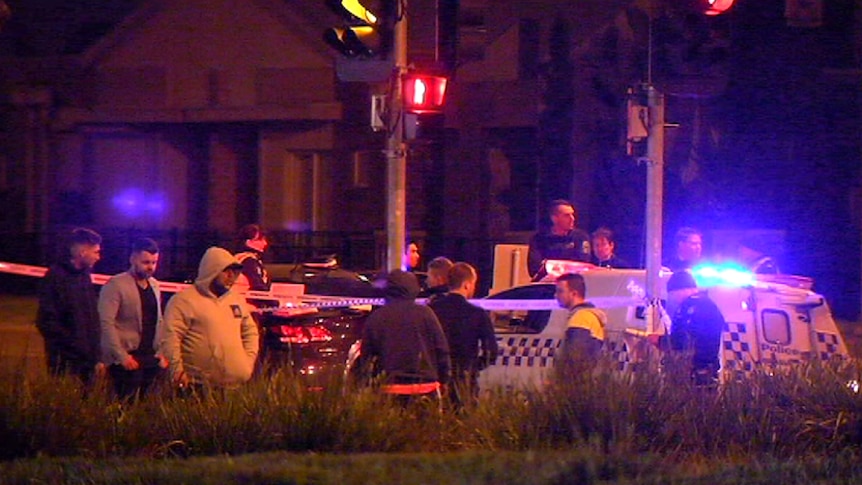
point(696, 327)
point(68, 316)
point(468, 330)
point(406, 341)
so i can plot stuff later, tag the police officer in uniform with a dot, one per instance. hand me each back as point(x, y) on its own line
point(696, 326)
point(252, 244)
point(563, 240)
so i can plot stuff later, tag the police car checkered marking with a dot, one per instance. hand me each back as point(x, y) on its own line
point(827, 345)
point(540, 352)
point(620, 353)
point(735, 349)
point(526, 351)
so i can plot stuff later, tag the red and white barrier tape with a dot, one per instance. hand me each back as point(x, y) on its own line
point(291, 296)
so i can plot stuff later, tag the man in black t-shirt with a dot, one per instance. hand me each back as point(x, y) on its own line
point(563, 240)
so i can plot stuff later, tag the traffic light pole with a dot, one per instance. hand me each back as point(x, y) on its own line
point(654, 198)
point(396, 154)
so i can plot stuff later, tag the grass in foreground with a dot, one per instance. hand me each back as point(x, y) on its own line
point(527, 468)
point(796, 413)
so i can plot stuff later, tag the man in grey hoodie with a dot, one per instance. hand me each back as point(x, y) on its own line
point(407, 341)
point(210, 338)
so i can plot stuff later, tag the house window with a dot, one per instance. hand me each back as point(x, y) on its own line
point(776, 327)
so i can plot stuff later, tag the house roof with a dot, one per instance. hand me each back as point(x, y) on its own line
point(293, 15)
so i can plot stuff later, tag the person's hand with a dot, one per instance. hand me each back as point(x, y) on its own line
point(181, 379)
point(100, 370)
point(131, 363)
point(163, 362)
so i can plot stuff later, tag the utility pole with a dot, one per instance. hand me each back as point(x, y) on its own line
point(654, 191)
point(654, 207)
point(646, 121)
point(396, 154)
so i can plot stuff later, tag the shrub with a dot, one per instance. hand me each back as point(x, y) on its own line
point(788, 413)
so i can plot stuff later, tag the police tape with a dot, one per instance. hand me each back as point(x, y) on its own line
point(290, 296)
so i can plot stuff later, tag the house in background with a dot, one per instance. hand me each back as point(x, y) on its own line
point(191, 114)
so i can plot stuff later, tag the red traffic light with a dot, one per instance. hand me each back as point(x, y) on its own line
point(716, 7)
point(424, 93)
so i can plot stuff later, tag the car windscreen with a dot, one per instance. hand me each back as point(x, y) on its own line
point(533, 321)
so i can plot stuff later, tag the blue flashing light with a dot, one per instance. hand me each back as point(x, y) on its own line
point(129, 202)
point(134, 203)
point(722, 275)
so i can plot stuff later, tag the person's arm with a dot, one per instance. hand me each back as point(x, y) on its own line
point(110, 299)
point(175, 329)
point(534, 256)
point(441, 348)
point(160, 325)
point(488, 341)
point(50, 313)
point(368, 349)
point(250, 336)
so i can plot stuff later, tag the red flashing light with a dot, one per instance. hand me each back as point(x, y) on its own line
point(424, 93)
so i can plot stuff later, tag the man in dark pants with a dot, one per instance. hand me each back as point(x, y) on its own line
point(68, 318)
point(563, 240)
point(130, 311)
point(696, 326)
point(468, 330)
point(404, 343)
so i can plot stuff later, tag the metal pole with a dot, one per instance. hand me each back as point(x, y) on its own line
point(654, 191)
point(396, 155)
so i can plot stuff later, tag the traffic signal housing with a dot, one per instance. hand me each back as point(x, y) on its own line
point(423, 93)
point(706, 7)
point(423, 99)
point(367, 28)
point(717, 7)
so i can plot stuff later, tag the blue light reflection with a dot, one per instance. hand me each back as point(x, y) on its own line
point(722, 275)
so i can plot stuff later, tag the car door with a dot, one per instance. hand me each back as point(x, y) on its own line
point(528, 340)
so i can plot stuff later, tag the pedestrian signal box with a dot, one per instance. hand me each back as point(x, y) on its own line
point(424, 93)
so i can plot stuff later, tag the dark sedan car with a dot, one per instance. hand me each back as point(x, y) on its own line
point(315, 341)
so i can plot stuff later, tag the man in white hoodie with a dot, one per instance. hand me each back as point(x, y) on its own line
point(210, 338)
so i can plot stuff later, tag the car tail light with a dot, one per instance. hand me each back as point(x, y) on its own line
point(301, 335)
point(319, 334)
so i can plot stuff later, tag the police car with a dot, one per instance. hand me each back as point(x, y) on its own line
point(770, 320)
